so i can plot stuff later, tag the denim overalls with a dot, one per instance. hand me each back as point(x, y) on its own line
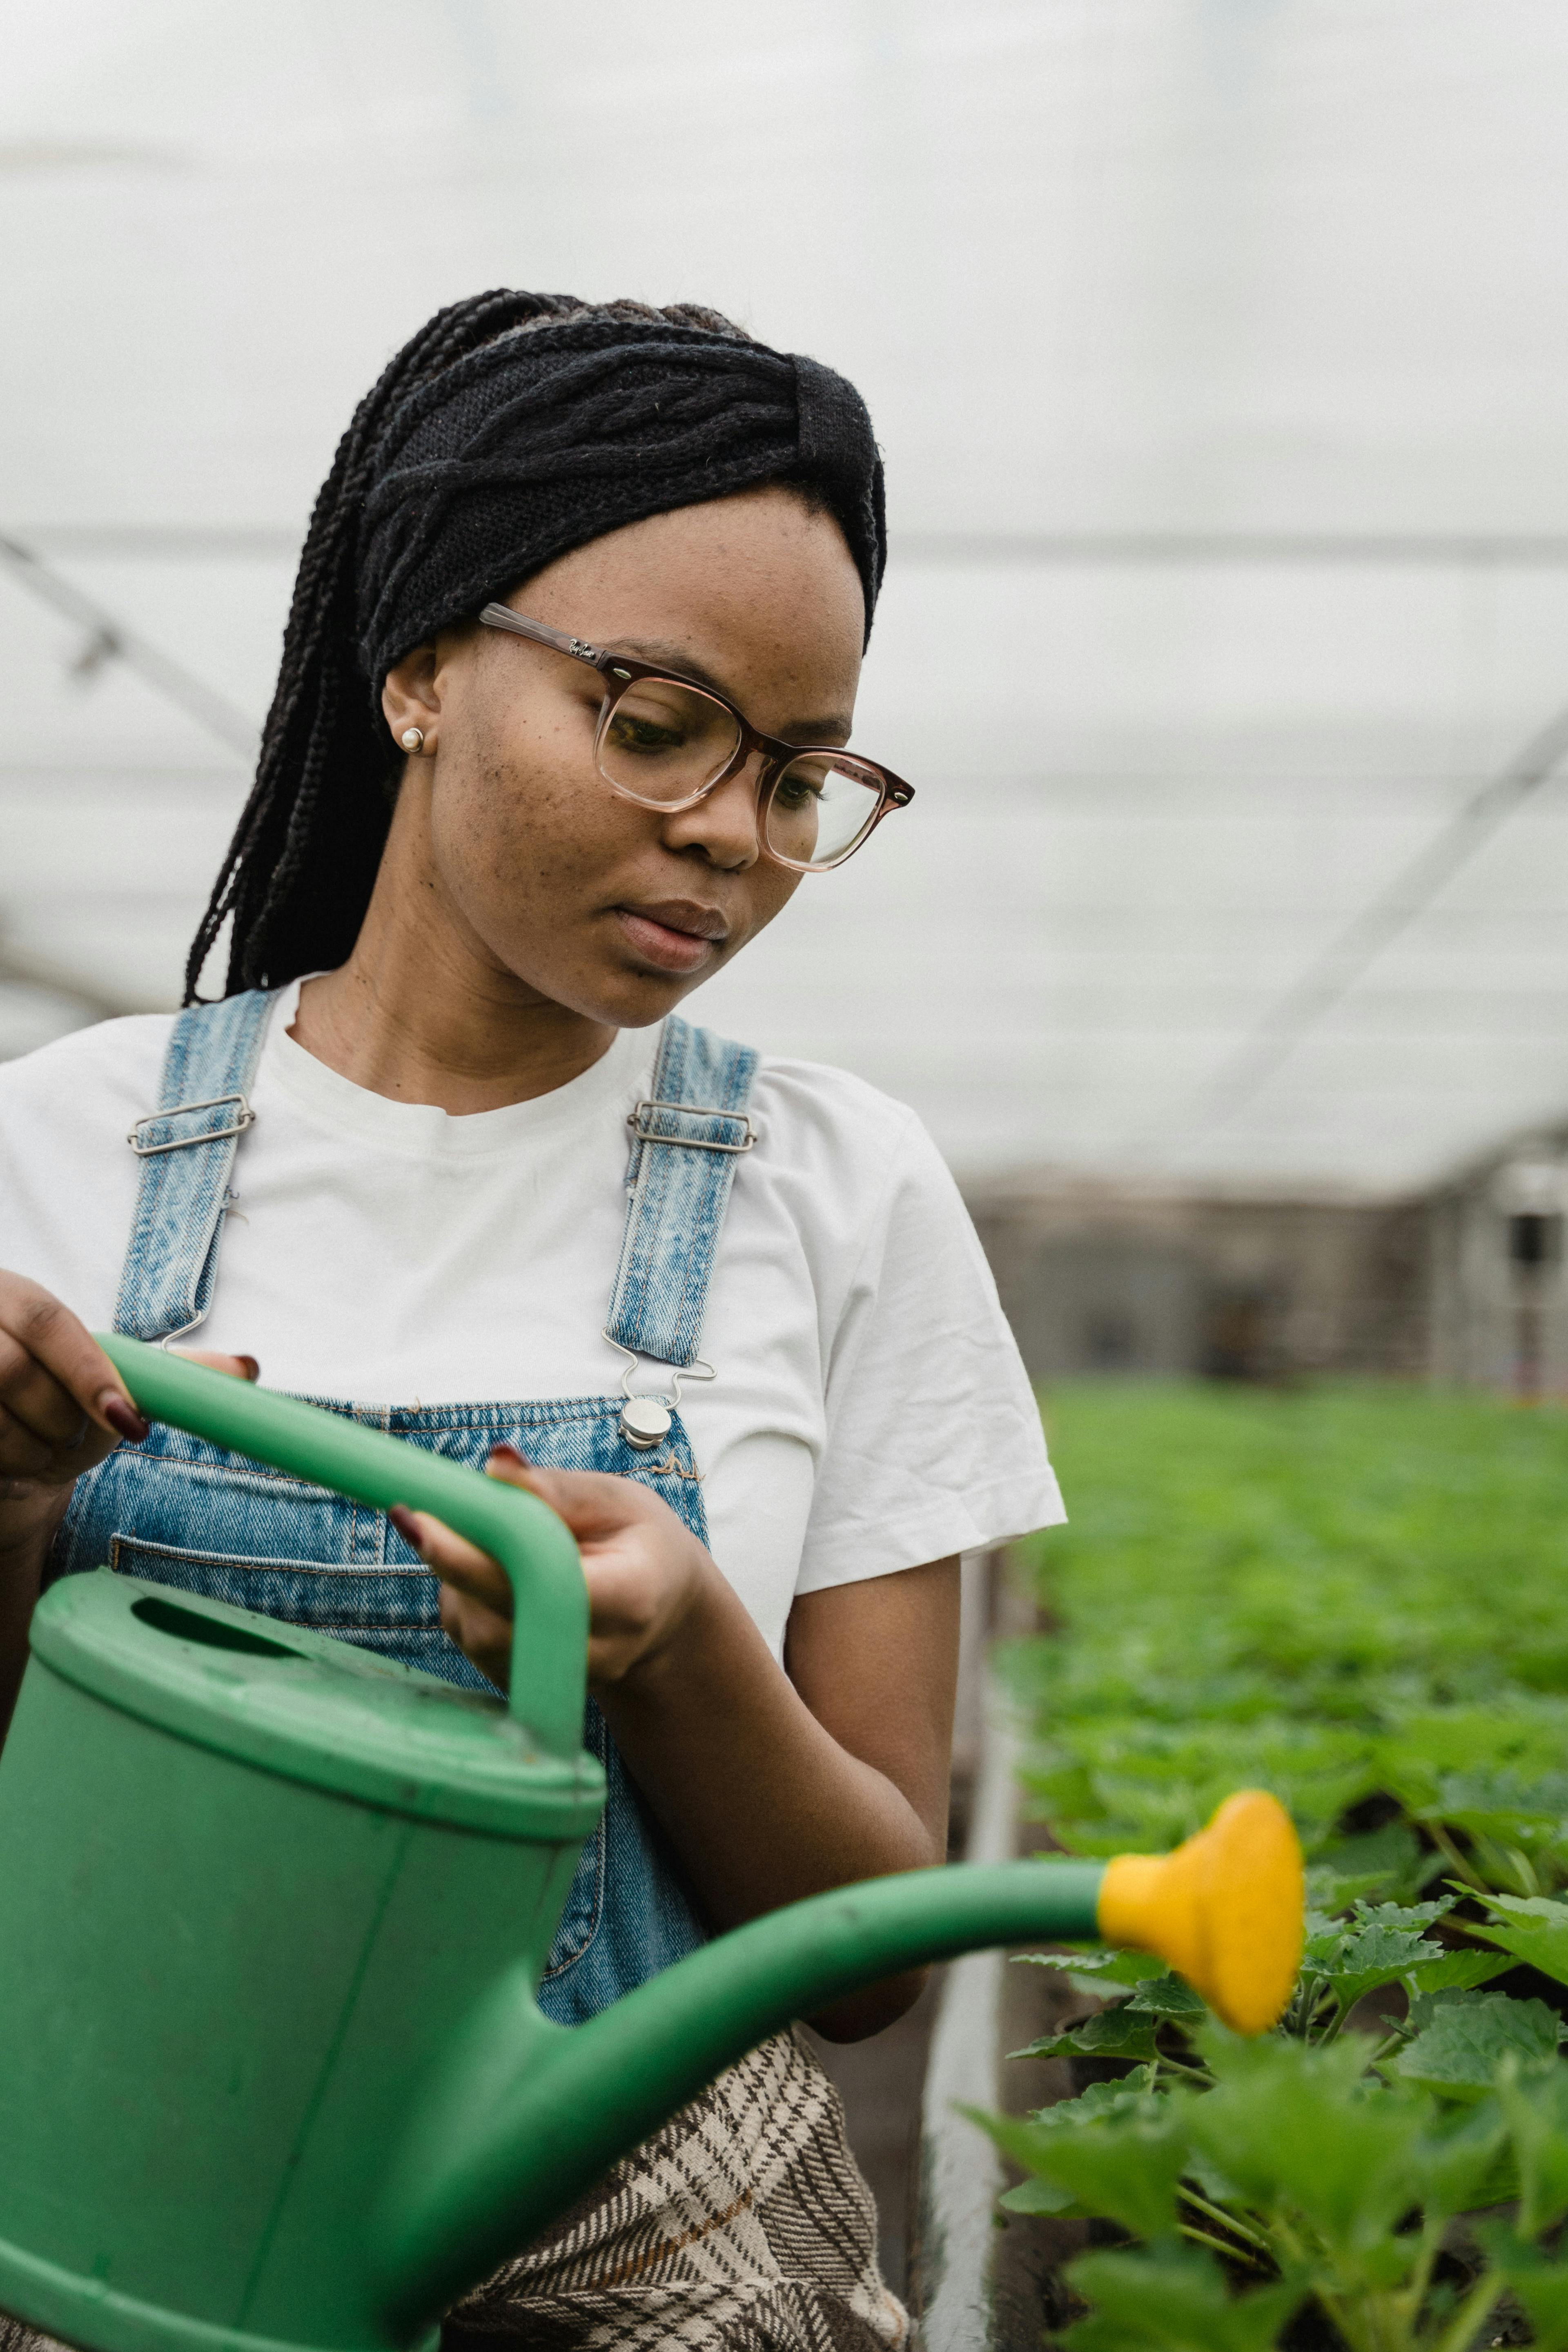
point(190, 1514)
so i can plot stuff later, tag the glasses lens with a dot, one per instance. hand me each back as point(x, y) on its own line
point(665, 741)
point(820, 808)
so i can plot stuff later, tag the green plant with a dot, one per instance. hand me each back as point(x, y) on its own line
point(1352, 1597)
point(1319, 2166)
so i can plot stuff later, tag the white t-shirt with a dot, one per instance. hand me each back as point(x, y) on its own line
point(870, 1410)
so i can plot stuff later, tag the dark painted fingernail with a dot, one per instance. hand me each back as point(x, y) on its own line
point(121, 1415)
point(505, 1453)
point(403, 1519)
point(252, 1369)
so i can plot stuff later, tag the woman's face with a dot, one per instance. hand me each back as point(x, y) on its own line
point(516, 849)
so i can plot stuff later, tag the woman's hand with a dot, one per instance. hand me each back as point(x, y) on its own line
point(63, 1408)
point(771, 1784)
point(645, 1573)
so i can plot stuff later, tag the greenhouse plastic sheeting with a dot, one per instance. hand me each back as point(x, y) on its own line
point(1218, 354)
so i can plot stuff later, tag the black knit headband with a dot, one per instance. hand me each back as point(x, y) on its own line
point(554, 436)
point(511, 429)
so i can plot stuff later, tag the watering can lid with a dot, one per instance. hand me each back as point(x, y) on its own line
point(311, 1708)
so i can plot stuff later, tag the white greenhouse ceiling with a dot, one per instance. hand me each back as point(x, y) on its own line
point(1219, 352)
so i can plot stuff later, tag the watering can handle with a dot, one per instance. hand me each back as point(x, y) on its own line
point(549, 1640)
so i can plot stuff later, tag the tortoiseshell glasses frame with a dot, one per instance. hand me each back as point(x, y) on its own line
point(666, 741)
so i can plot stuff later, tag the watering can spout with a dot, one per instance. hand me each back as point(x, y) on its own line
point(1225, 1910)
point(536, 2114)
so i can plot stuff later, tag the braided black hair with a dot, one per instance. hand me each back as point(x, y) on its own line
point(512, 427)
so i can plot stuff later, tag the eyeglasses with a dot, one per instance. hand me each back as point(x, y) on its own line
point(666, 743)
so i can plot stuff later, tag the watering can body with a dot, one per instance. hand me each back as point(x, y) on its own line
point(273, 1911)
point(226, 1978)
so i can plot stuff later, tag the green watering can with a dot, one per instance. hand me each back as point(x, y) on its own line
point(272, 1912)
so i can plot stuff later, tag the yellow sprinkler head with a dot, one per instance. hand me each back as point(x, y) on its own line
point(1227, 1910)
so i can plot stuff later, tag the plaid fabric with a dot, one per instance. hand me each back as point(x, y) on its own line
point(743, 2226)
point(14, 2337)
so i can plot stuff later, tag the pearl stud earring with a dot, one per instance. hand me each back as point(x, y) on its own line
point(412, 739)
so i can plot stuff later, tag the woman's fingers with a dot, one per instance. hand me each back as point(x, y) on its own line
point(454, 1560)
point(60, 1396)
point(642, 1562)
point(22, 1455)
point(239, 1367)
point(479, 1633)
point(476, 1592)
point(34, 1399)
point(594, 1505)
point(56, 1383)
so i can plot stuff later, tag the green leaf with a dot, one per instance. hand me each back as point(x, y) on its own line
point(1157, 1991)
point(1543, 2292)
point(1105, 1968)
point(1167, 1996)
point(1331, 1891)
point(1461, 2163)
point(1402, 1914)
point(1497, 1804)
point(1391, 1861)
point(1216, 2186)
point(1125, 2167)
point(1360, 1958)
point(1540, 2283)
point(1389, 1851)
point(1132, 2095)
point(1531, 1927)
point(1535, 2107)
point(1462, 2038)
point(1461, 1971)
point(1383, 1946)
point(1129, 2096)
point(1039, 2196)
point(1114, 2033)
point(1325, 1940)
point(1292, 2126)
point(1172, 2299)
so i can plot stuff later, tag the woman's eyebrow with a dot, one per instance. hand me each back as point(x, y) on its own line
point(655, 649)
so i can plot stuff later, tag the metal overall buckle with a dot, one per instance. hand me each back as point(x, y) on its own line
point(646, 1134)
point(244, 1116)
point(645, 1420)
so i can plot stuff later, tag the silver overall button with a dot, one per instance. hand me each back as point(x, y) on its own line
point(644, 1422)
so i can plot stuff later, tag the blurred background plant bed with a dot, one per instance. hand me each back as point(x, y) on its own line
point(1351, 1595)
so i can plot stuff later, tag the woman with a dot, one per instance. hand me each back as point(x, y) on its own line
point(581, 580)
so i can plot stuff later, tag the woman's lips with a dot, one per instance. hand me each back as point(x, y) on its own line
point(662, 943)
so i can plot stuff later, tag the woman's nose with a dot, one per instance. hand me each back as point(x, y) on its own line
point(723, 827)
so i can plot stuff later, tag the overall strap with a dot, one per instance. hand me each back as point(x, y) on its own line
point(686, 1142)
point(186, 1147)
